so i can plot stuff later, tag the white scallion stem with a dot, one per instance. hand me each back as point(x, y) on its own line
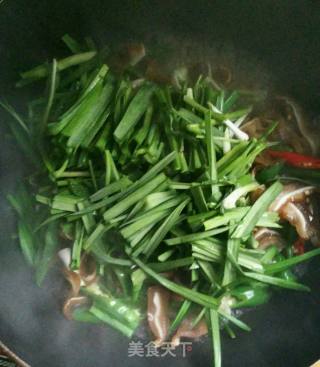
point(226, 142)
point(238, 123)
point(237, 132)
point(190, 93)
point(213, 108)
point(65, 256)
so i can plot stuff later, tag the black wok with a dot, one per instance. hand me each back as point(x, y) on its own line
point(283, 36)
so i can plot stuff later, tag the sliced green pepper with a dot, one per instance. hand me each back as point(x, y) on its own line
point(250, 294)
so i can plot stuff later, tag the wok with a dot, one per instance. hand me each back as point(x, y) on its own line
point(284, 37)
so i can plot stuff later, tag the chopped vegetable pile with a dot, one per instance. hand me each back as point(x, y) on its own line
point(143, 186)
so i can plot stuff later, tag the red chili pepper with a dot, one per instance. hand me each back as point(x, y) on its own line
point(298, 246)
point(296, 159)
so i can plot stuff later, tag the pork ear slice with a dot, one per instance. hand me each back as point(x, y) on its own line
point(158, 313)
point(72, 303)
point(267, 237)
point(88, 270)
point(74, 279)
point(314, 207)
point(298, 216)
point(186, 330)
point(294, 193)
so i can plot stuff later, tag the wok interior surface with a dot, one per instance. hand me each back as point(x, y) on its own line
point(281, 36)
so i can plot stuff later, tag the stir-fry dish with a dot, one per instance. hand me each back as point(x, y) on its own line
point(165, 197)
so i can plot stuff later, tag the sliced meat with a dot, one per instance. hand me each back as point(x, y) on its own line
point(186, 330)
point(267, 237)
point(292, 192)
point(298, 216)
point(158, 312)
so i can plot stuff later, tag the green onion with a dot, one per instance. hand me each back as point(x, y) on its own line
point(130, 200)
point(48, 250)
point(196, 297)
point(230, 201)
point(215, 329)
point(136, 109)
point(26, 242)
point(164, 229)
point(42, 71)
point(52, 89)
point(171, 264)
point(195, 236)
point(287, 263)
point(211, 156)
point(233, 246)
point(256, 211)
point(277, 281)
point(71, 43)
point(199, 298)
point(110, 189)
point(180, 316)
